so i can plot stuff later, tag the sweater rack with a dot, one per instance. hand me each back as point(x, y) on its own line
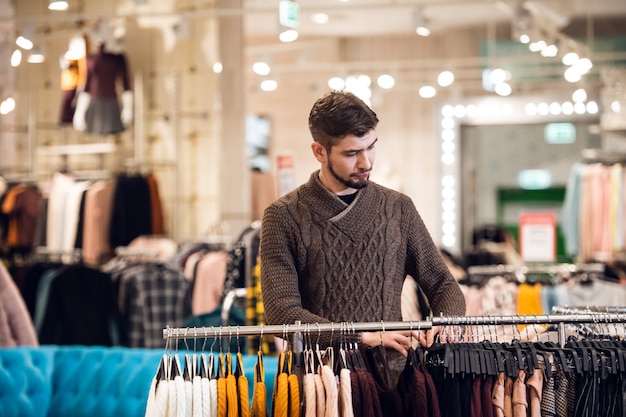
point(297, 329)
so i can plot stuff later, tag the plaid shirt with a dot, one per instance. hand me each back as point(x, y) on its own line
point(157, 296)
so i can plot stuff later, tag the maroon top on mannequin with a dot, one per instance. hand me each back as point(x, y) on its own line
point(103, 71)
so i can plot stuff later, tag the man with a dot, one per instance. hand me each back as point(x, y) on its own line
point(338, 248)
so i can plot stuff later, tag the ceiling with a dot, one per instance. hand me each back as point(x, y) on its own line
point(579, 19)
point(385, 17)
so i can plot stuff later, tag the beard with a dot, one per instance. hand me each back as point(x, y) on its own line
point(357, 184)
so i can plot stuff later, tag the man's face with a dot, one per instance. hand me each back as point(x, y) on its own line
point(348, 164)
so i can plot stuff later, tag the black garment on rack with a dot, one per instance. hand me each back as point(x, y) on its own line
point(131, 214)
point(80, 308)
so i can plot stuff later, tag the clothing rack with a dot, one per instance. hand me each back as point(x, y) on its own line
point(292, 330)
point(553, 269)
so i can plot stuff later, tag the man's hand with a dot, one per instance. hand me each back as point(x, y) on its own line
point(400, 340)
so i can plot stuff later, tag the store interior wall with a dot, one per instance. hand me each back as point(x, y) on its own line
point(196, 147)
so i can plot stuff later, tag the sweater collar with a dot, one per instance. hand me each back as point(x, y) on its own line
point(362, 211)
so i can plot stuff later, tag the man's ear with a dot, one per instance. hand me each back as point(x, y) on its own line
point(318, 151)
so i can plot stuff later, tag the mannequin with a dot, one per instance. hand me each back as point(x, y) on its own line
point(98, 110)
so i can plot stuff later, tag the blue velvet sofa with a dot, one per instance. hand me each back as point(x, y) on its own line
point(89, 381)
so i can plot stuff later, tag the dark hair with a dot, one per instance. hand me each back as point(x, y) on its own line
point(337, 114)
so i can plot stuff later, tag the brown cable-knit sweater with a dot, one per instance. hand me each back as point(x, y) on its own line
point(322, 260)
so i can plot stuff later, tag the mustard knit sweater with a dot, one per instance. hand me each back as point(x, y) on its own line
point(322, 260)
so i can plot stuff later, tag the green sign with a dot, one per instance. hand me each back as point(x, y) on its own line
point(288, 13)
point(559, 133)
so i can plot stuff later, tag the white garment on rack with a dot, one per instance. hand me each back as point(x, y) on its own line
point(60, 186)
point(72, 214)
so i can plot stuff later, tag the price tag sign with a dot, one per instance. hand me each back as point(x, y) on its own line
point(286, 174)
point(538, 237)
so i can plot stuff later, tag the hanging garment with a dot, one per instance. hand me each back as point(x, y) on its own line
point(16, 326)
point(385, 374)
point(280, 397)
point(345, 390)
point(232, 397)
point(157, 403)
point(259, 395)
point(242, 388)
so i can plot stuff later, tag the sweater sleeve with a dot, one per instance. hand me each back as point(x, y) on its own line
point(279, 274)
point(426, 265)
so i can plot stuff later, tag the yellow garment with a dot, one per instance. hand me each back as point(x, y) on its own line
point(221, 397)
point(294, 395)
point(255, 312)
point(222, 402)
point(232, 406)
point(529, 301)
point(259, 396)
point(242, 388)
point(70, 75)
point(280, 398)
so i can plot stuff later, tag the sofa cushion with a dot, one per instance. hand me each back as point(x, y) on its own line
point(25, 388)
point(101, 381)
point(89, 381)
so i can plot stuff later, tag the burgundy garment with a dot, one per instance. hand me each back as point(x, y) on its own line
point(476, 405)
point(104, 70)
point(357, 403)
point(371, 405)
point(380, 366)
point(67, 106)
point(412, 388)
point(486, 390)
point(431, 394)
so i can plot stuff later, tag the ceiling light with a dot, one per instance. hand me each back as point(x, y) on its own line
point(7, 106)
point(550, 51)
point(592, 107)
point(421, 24)
point(36, 56)
point(16, 58)
point(336, 83)
point(427, 91)
point(570, 58)
point(583, 65)
point(422, 30)
point(616, 106)
point(24, 42)
point(269, 85)
point(320, 18)
point(445, 78)
point(579, 95)
point(261, 68)
point(498, 75)
point(537, 46)
point(503, 89)
point(58, 5)
point(218, 67)
point(386, 81)
point(288, 35)
point(572, 75)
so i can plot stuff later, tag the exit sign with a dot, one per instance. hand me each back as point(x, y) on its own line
point(559, 133)
point(288, 13)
